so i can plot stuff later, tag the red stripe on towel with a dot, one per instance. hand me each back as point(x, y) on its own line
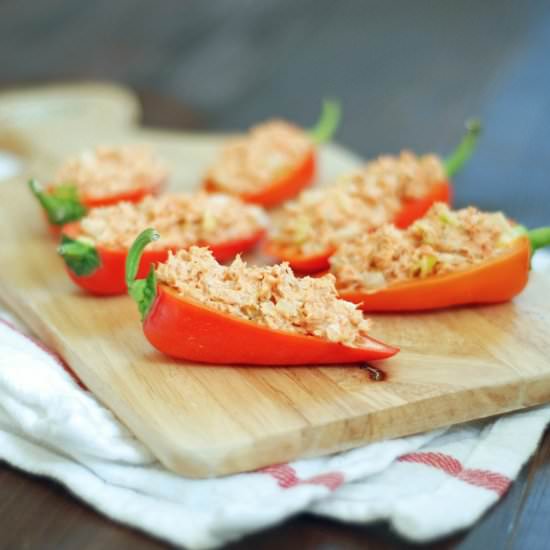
point(284, 474)
point(491, 481)
point(286, 477)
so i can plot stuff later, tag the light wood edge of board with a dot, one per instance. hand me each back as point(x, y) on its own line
point(283, 447)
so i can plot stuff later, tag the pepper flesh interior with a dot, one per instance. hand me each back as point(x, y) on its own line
point(270, 296)
point(444, 241)
point(359, 201)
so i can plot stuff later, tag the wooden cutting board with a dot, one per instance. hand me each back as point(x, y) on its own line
point(203, 421)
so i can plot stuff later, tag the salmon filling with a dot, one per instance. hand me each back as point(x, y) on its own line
point(108, 171)
point(182, 220)
point(442, 242)
point(270, 296)
point(359, 201)
point(251, 163)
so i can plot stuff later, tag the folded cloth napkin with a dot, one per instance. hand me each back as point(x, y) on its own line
point(426, 486)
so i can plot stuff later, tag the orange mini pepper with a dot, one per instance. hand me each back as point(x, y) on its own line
point(497, 280)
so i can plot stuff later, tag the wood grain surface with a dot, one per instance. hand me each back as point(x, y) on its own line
point(202, 421)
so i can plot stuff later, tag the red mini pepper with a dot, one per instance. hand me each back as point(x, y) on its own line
point(64, 204)
point(497, 280)
point(185, 329)
point(298, 177)
point(101, 271)
point(411, 210)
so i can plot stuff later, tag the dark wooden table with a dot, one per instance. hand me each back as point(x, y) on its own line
point(408, 75)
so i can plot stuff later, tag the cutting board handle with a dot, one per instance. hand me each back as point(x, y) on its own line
point(31, 117)
point(71, 103)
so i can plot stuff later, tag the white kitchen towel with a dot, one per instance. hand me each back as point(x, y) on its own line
point(426, 486)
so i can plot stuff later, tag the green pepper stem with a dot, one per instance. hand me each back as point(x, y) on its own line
point(142, 291)
point(70, 249)
point(539, 238)
point(328, 122)
point(61, 205)
point(80, 257)
point(458, 158)
point(134, 254)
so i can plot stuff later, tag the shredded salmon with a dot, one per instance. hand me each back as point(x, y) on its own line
point(251, 163)
point(270, 296)
point(182, 219)
point(358, 202)
point(442, 242)
point(108, 171)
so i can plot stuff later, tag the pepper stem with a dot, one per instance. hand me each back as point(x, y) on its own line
point(143, 291)
point(79, 256)
point(328, 122)
point(61, 205)
point(458, 158)
point(539, 238)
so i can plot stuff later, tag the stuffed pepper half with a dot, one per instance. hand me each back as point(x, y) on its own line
point(102, 177)
point(273, 162)
point(95, 247)
point(447, 258)
point(196, 309)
